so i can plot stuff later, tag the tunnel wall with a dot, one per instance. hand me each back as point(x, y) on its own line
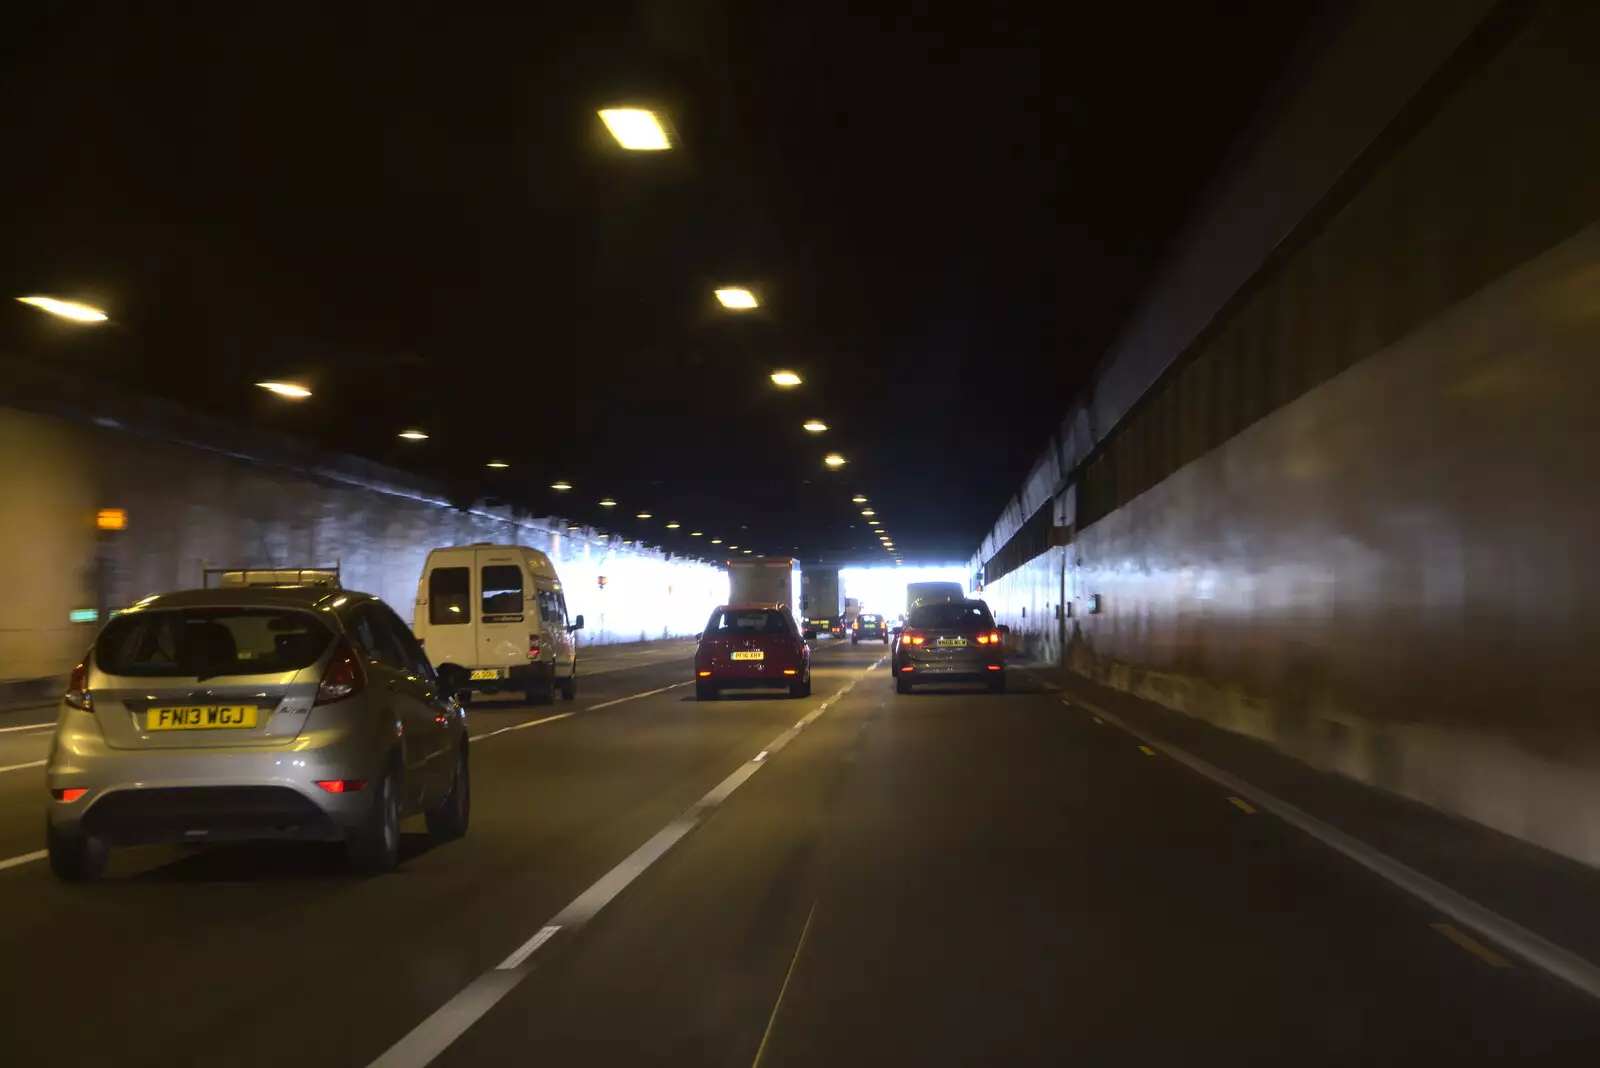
point(189, 508)
point(1357, 517)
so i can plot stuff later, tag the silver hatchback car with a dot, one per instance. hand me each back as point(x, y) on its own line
point(305, 713)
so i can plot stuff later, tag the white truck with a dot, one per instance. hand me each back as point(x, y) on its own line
point(765, 580)
point(819, 602)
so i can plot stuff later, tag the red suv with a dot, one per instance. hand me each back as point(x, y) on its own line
point(751, 645)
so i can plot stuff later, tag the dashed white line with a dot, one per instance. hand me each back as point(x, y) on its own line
point(28, 727)
point(433, 1035)
point(26, 858)
point(525, 726)
point(23, 767)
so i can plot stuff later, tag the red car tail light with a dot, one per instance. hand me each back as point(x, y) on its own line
point(912, 637)
point(992, 638)
point(71, 793)
point(533, 647)
point(77, 694)
point(345, 676)
point(341, 786)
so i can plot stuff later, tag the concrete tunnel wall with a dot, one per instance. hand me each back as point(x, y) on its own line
point(188, 508)
point(1391, 573)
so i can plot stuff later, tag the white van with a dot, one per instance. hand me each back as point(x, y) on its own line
point(493, 619)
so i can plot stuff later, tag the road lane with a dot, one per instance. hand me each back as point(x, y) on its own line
point(996, 880)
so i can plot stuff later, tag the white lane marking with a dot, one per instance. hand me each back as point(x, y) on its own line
point(26, 858)
point(634, 696)
point(761, 756)
point(1535, 949)
point(524, 726)
point(23, 767)
point(28, 727)
point(524, 951)
point(433, 1035)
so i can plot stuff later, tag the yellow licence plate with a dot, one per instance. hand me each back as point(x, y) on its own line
point(749, 654)
point(486, 673)
point(199, 717)
point(952, 642)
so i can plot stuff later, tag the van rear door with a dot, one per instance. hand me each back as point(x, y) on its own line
point(450, 613)
point(508, 608)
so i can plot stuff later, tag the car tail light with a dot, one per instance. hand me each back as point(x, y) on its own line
point(345, 676)
point(912, 638)
point(71, 793)
point(703, 674)
point(992, 638)
point(533, 647)
point(77, 694)
point(856, 625)
point(341, 786)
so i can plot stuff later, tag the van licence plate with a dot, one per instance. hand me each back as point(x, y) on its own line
point(749, 654)
point(199, 717)
point(487, 673)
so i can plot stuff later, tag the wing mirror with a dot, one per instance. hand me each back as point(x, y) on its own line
point(577, 623)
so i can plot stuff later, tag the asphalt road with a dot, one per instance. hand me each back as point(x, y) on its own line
point(935, 879)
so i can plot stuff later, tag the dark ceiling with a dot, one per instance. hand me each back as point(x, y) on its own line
point(416, 212)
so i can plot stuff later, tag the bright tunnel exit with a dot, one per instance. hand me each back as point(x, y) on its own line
point(883, 589)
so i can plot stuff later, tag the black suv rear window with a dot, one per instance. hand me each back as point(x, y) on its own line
point(207, 642)
point(747, 623)
point(950, 614)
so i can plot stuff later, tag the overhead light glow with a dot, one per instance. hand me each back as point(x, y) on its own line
point(785, 379)
point(716, 541)
point(816, 426)
point(868, 512)
point(66, 309)
point(673, 526)
point(642, 515)
point(636, 129)
point(413, 435)
point(694, 534)
point(834, 460)
point(858, 499)
point(498, 464)
point(291, 390)
point(561, 487)
point(736, 297)
point(608, 503)
point(749, 551)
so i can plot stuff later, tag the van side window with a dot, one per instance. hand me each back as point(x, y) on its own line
point(547, 607)
point(415, 660)
point(372, 637)
point(561, 608)
point(449, 596)
point(502, 593)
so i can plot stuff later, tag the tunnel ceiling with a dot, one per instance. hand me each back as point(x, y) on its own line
point(420, 218)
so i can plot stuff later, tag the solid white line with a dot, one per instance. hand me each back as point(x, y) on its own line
point(28, 727)
point(430, 1038)
point(635, 696)
point(525, 950)
point(433, 1036)
point(1508, 934)
point(26, 858)
point(524, 726)
point(23, 767)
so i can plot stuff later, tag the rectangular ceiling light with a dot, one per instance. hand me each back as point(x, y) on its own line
point(736, 297)
point(636, 129)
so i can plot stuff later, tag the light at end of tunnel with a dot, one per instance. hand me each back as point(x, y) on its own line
point(414, 435)
point(66, 309)
point(736, 297)
point(815, 426)
point(834, 460)
point(636, 129)
point(291, 390)
point(785, 379)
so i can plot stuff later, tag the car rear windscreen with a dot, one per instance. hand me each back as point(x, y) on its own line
point(950, 614)
point(748, 623)
point(871, 619)
point(207, 642)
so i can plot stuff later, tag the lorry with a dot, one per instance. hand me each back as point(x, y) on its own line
point(765, 580)
point(819, 601)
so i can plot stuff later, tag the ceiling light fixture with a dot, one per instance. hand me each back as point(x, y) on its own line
point(815, 426)
point(290, 390)
point(858, 499)
point(636, 129)
point(498, 463)
point(737, 298)
point(66, 309)
point(642, 515)
point(561, 487)
point(607, 502)
point(786, 379)
point(834, 460)
point(413, 435)
point(673, 526)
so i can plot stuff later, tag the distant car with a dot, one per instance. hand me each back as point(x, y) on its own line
point(869, 627)
point(950, 641)
point(751, 645)
point(254, 713)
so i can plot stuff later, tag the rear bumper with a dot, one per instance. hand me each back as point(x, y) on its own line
point(968, 667)
point(735, 676)
point(147, 796)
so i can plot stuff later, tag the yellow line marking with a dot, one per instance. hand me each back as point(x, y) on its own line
point(1098, 720)
point(1147, 751)
point(766, 1035)
point(1242, 805)
point(1472, 945)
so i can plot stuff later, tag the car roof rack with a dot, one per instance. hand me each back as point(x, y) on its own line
point(270, 577)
